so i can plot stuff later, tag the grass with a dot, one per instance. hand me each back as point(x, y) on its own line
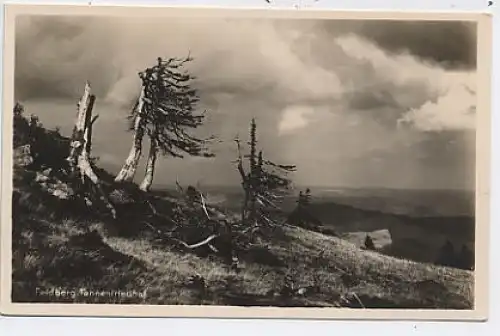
point(51, 252)
point(58, 244)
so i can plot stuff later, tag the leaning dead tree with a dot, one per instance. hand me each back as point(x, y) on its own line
point(129, 168)
point(165, 112)
point(171, 105)
point(81, 144)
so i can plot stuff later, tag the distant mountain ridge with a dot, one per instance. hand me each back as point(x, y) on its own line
point(414, 238)
point(426, 221)
point(414, 203)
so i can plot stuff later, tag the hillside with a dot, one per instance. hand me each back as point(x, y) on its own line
point(61, 242)
point(415, 238)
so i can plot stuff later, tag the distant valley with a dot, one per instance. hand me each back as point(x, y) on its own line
point(410, 224)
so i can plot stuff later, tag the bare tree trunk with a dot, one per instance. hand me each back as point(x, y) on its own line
point(244, 181)
point(128, 170)
point(79, 158)
point(150, 165)
point(244, 207)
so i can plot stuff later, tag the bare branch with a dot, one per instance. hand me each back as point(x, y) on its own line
point(213, 248)
point(153, 209)
point(204, 206)
point(239, 161)
point(94, 118)
point(179, 187)
point(358, 299)
point(152, 227)
point(201, 243)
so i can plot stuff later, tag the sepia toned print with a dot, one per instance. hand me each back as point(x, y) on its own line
point(214, 162)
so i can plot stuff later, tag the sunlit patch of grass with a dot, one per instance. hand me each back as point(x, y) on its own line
point(30, 261)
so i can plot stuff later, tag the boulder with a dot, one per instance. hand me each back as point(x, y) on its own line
point(121, 196)
point(61, 194)
point(23, 156)
point(40, 177)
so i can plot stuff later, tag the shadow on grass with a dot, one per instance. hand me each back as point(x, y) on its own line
point(45, 260)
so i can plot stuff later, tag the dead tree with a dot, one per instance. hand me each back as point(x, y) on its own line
point(169, 113)
point(81, 142)
point(165, 111)
point(264, 184)
point(128, 170)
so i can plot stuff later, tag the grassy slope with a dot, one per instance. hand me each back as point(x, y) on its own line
point(88, 250)
point(52, 251)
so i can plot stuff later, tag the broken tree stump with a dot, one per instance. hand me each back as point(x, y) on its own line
point(81, 142)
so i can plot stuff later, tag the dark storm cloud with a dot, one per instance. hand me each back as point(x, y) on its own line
point(451, 44)
point(52, 52)
point(65, 42)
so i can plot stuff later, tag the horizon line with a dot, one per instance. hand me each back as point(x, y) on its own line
point(304, 186)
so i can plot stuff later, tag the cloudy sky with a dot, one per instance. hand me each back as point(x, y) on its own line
point(351, 103)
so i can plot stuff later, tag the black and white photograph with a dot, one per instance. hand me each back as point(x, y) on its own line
point(212, 158)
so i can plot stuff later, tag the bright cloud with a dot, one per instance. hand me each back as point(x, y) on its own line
point(294, 117)
point(455, 110)
point(431, 98)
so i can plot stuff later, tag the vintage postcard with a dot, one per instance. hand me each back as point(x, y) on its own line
point(245, 163)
